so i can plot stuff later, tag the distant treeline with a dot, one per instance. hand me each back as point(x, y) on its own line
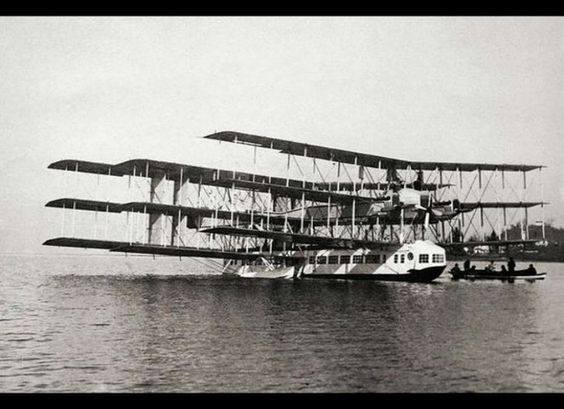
point(554, 251)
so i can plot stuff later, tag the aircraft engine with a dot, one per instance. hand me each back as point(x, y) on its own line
point(409, 197)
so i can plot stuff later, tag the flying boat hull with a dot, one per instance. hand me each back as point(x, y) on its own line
point(421, 261)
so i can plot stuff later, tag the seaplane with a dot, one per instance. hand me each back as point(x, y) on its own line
point(341, 215)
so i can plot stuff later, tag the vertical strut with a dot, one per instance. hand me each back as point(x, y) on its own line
point(63, 222)
point(443, 231)
point(526, 223)
point(231, 200)
point(338, 176)
point(65, 184)
point(303, 213)
point(401, 226)
point(268, 209)
point(253, 207)
point(74, 204)
point(328, 211)
point(73, 218)
point(353, 217)
point(106, 226)
point(288, 171)
point(163, 241)
point(542, 203)
point(505, 222)
point(146, 233)
point(379, 176)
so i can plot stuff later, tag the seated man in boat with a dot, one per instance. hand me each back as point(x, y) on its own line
point(504, 271)
point(455, 271)
point(490, 267)
point(531, 270)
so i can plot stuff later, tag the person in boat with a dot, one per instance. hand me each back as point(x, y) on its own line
point(455, 271)
point(511, 265)
point(531, 270)
point(504, 271)
point(467, 264)
point(490, 267)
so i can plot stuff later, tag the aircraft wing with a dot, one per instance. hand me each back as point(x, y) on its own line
point(125, 247)
point(173, 210)
point(81, 204)
point(348, 186)
point(466, 206)
point(345, 156)
point(84, 166)
point(212, 177)
point(488, 243)
point(297, 192)
point(294, 237)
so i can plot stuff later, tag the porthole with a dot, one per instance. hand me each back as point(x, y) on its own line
point(410, 256)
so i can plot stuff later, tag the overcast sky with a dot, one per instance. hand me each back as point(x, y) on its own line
point(111, 89)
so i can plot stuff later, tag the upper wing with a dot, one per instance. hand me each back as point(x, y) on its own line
point(357, 158)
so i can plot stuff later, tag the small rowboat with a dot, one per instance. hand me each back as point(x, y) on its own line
point(472, 275)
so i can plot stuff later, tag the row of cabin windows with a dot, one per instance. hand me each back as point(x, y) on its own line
point(277, 261)
point(400, 257)
point(346, 259)
point(423, 258)
point(437, 258)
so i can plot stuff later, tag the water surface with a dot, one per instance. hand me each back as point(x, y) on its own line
point(102, 323)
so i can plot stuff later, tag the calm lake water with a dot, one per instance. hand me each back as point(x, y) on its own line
point(106, 323)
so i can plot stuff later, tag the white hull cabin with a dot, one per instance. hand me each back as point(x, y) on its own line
point(421, 261)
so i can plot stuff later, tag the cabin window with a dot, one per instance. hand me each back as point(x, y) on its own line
point(373, 259)
point(438, 258)
point(402, 258)
point(423, 258)
point(333, 259)
point(357, 259)
point(345, 259)
point(395, 258)
point(321, 260)
point(311, 259)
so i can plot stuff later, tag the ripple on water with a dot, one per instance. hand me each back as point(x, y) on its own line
point(20, 339)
